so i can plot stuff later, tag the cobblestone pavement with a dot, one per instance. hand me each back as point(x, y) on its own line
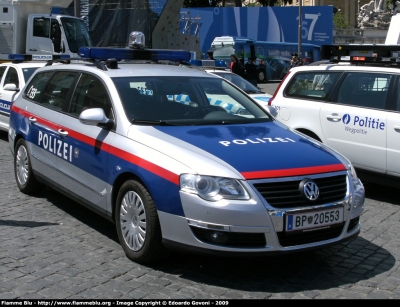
point(53, 248)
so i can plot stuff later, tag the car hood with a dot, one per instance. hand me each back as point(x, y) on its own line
point(250, 151)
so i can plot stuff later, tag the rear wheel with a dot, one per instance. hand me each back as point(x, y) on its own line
point(261, 76)
point(137, 224)
point(26, 180)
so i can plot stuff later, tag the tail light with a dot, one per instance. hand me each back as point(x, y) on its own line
point(277, 89)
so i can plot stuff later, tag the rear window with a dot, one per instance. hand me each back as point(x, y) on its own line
point(312, 85)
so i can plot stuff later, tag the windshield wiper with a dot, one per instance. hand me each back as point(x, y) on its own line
point(153, 122)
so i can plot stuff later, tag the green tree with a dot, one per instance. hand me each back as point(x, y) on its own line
point(339, 20)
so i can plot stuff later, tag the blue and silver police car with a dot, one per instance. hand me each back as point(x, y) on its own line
point(216, 174)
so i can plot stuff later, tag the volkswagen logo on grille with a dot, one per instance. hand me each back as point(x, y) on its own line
point(309, 189)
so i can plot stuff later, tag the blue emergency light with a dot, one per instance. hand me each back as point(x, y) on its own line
point(209, 63)
point(103, 54)
point(37, 57)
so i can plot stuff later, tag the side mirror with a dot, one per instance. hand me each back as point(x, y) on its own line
point(11, 87)
point(95, 117)
point(271, 110)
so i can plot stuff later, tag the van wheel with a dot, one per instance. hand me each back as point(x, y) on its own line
point(137, 224)
point(26, 180)
point(261, 76)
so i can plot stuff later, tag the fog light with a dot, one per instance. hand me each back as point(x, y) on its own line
point(218, 237)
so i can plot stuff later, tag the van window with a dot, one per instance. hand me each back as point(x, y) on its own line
point(398, 97)
point(41, 27)
point(312, 85)
point(364, 89)
point(12, 77)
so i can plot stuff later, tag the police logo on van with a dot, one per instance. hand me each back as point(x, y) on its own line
point(346, 119)
point(364, 122)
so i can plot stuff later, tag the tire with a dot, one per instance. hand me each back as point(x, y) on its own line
point(261, 76)
point(137, 224)
point(24, 176)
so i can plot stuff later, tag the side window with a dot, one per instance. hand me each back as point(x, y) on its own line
point(364, 89)
point(2, 70)
point(35, 88)
point(56, 92)
point(41, 27)
point(314, 85)
point(12, 77)
point(90, 93)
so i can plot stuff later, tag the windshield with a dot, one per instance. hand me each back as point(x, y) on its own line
point(239, 82)
point(76, 33)
point(183, 100)
point(223, 53)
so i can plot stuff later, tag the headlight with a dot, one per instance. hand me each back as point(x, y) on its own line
point(352, 172)
point(213, 188)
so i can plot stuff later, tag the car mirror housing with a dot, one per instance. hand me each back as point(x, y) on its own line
point(11, 87)
point(95, 117)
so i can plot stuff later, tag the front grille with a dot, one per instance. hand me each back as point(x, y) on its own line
point(299, 238)
point(353, 224)
point(287, 194)
point(233, 239)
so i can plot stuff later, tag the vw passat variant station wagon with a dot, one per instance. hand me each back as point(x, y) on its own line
point(219, 176)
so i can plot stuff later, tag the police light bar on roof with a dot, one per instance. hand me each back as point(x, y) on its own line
point(37, 57)
point(385, 54)
point(103, 54)
point(209, 63)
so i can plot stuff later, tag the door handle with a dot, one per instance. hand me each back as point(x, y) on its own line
point(32, 120)
point(32, 49)
point(396, 127)
point(62, 133)
point(333, 117)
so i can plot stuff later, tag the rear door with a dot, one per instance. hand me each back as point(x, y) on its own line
point(41, 116)
point(356, 125)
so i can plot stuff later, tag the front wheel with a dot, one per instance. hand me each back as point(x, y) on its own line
point(26, 180)
point(137, 224)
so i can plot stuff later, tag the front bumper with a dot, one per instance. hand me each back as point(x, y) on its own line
point(255, 227)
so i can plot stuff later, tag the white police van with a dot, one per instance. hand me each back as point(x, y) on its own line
point(192, 177)
point(352, 108)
